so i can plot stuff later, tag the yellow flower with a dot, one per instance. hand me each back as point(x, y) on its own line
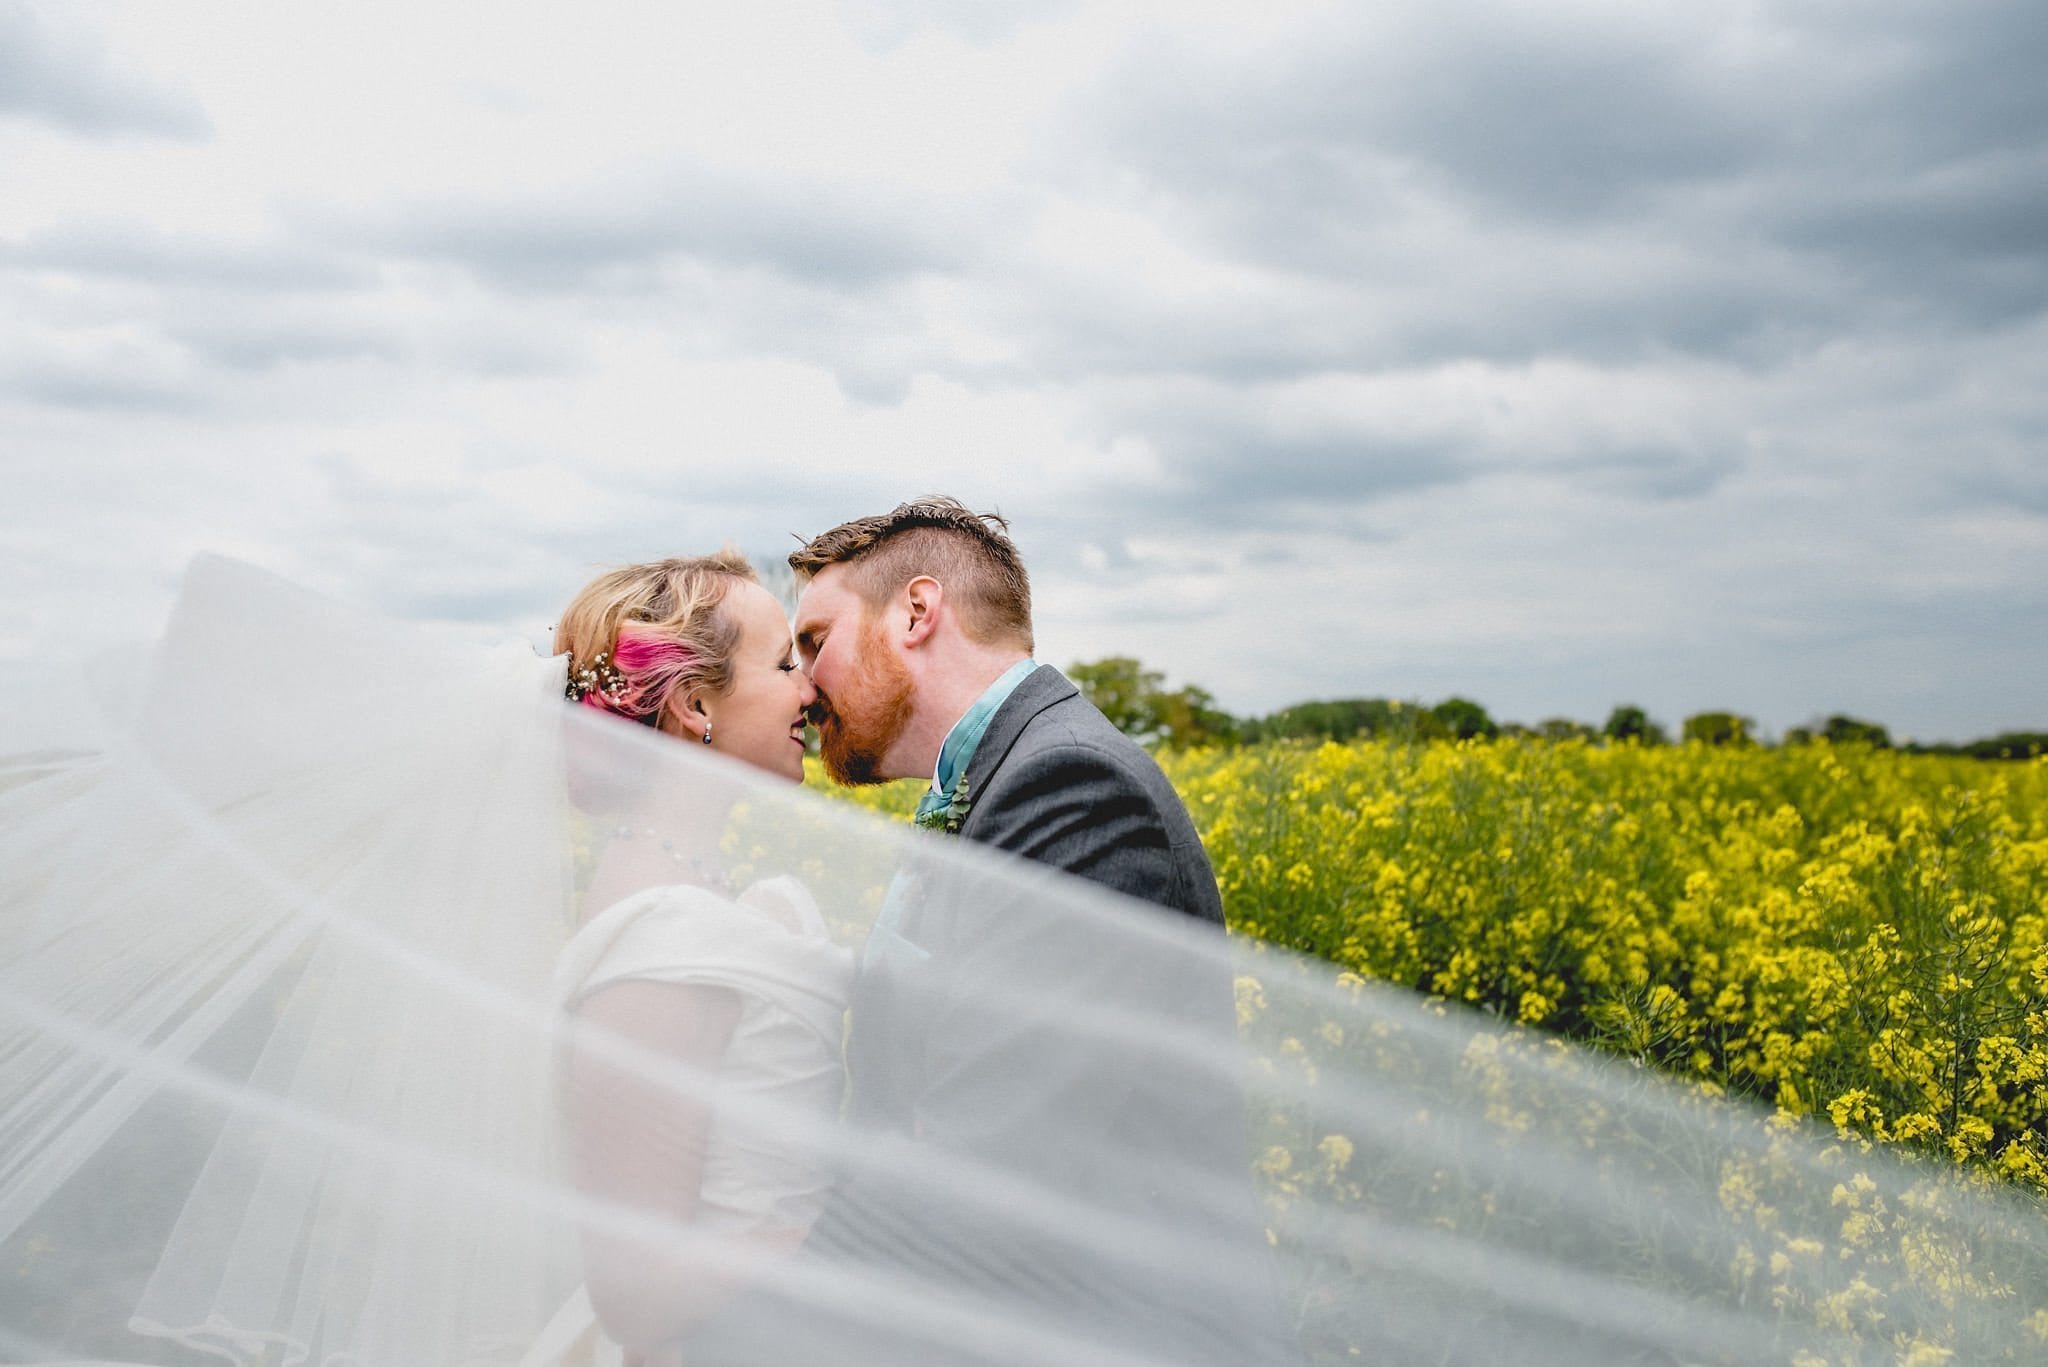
point(1830, 928)
point(1251, 999)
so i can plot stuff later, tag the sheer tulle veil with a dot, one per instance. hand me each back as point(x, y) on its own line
point(281, 1031)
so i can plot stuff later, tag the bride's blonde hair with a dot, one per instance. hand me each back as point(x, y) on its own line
point(642, 635)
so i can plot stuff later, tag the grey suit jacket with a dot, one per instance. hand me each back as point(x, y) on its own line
point(946, 1051)
point(967, 1055)
point(1054, 781)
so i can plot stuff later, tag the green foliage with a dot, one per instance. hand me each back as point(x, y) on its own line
point(1463, 719)
point(1719, 728)
point(2006, 745)
point(2010, 745)
point(1343, 719)
point(1121, 689)
point(1137, 703)
point(1629, 722)
point(1188, 717)
point(1842, 730)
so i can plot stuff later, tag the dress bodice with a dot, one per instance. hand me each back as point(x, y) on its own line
point(781, 1076)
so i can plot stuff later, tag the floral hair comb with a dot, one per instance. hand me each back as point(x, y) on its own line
point(600, 676)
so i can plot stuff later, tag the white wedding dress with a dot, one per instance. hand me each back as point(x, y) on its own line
point(288, 952)
point(772, 949)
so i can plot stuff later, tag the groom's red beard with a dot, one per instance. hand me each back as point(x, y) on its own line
point(864, 719)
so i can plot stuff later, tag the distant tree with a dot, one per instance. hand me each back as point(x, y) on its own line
point(1189, 717)
point(1564, 728)
point(1719, 728)
point(1841, 730)
point(1121, 690)
point(1463, 719)
point(2009, 745)
point(1629, 722)
point(1137, 703)
point(1340, 719)
point(1345, 719)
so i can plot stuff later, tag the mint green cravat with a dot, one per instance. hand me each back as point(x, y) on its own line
point(957, 751)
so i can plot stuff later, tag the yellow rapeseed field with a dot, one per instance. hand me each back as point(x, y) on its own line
point(1857, 938)
point(1856, 934)
point(1853, 934)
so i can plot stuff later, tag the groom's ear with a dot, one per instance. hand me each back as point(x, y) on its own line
point(924, 596)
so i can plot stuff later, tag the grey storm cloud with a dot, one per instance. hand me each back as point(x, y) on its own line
point(1333, 449)
point(1666, 474)
point(1233, 464)
point(1505, 111)
point(266, 342)
point(67, 79)
point(136, 251)
point(1659, 180)
point(838, 234)
point(1947, 81)
point(1523, 112)
point(449, 550)
point(196, 311)
point(455, 549)
point(109, 388)
point(2017, 480)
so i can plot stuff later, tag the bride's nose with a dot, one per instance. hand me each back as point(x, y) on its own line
point(806, 691)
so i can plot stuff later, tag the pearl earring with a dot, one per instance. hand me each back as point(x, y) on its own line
point(707, 732)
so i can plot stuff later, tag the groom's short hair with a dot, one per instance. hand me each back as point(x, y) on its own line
point(969, 553)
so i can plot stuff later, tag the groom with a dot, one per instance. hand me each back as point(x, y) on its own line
point(915, 627)
point(962, 1056)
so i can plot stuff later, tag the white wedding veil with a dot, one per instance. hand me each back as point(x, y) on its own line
point(281, 1038)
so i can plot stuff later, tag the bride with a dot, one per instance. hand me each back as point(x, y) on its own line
point(370, 997)
point(310, 938)
point(669, 962)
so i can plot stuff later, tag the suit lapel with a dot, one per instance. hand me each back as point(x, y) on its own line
point(1041, 688)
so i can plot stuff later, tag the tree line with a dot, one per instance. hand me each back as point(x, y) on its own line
point(1138, 702)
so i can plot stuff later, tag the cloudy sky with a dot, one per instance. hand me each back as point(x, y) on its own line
point(1555, 354)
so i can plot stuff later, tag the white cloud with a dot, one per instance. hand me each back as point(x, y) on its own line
point(1556, 357)
point(58, 73)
